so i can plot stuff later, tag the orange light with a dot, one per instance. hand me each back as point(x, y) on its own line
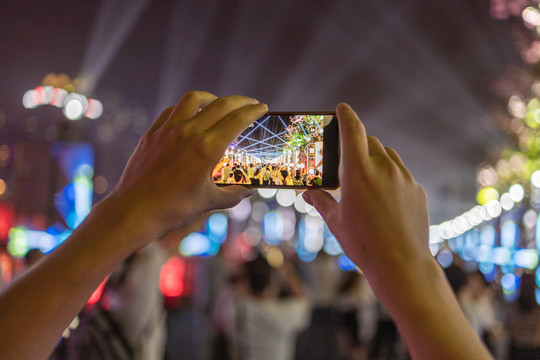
point(6, 267)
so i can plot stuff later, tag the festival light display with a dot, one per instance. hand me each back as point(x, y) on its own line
point(73, 202)
point(501, 236)
point(60, 91)
point(74, 106)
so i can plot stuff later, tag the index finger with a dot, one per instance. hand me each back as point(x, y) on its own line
point(220, 108)
point(352, 134)
point(189, 105)
point(228, 128)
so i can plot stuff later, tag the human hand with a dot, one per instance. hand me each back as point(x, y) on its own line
point(167, 181)
point(381, 220)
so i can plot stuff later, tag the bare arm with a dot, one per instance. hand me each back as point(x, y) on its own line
point(382, 224)
point(152, 197)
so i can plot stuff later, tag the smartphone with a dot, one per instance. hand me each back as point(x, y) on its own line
point(298, 150)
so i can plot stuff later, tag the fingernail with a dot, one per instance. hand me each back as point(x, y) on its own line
point(345, 105)
point(255, 101)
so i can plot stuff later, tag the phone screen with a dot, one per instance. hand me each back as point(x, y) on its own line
point(282, 150)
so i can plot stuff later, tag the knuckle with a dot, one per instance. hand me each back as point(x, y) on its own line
point(144, 141)
point(191, 95)
point(165, 113)
point(390, 150)
point(235, 117)
point(421, 192)
point(225, 102)
point(372, 138)
point(392, 170)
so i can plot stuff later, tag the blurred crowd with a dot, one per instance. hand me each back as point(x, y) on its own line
point(242, 309)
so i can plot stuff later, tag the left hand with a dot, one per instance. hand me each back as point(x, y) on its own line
point(167, 182)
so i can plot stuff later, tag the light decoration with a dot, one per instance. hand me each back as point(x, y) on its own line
point(531, 17)
point(331, 245)
point(275, 257)
point(171, 278)
point(216, 227)
point(75, 106)
point(508, 195)
point(76, 161)
point(289, 223)
point(346, 264)
point(206, 243)
point(304, 130)
point(285, 197)
point(313, 238)
point(267, 193)
point(21, 240)
point(6, 267)
point(509, 284)
point(445, 258)
point(526, 259)
point(241, 211)
point(96, 295)
point(7, 220)
point(59, 90)
point(73, 202)
point(300, 205)
point(273, 227)
point(195, 244)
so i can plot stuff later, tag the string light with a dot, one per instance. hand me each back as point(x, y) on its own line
point(75, 106)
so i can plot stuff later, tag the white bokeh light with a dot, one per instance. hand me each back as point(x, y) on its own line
point(535, 179)
point(516, 192)
point(241, 211)
point(300, 205)
point(285, 197)
point(74, 109)
point(507, 202)
point(28, 100)
point(95, 109)
point(267, 193)
point(529, 219)
point(494, 208)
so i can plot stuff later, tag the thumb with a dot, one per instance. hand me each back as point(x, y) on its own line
point(320, 200)
point(229, 196)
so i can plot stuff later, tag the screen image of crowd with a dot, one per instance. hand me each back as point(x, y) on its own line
point(277, 150)
point(261, 174)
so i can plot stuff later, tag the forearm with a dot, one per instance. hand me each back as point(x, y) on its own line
point(35, 309)
point(428, 315)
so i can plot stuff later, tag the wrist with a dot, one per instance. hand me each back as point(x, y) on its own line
point(131, 229)
point(406, 280)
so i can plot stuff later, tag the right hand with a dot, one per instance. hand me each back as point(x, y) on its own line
point(381, 220)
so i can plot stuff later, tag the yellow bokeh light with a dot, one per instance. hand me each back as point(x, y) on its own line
point(274, 256)
point(2, 187)
point(486, 195)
